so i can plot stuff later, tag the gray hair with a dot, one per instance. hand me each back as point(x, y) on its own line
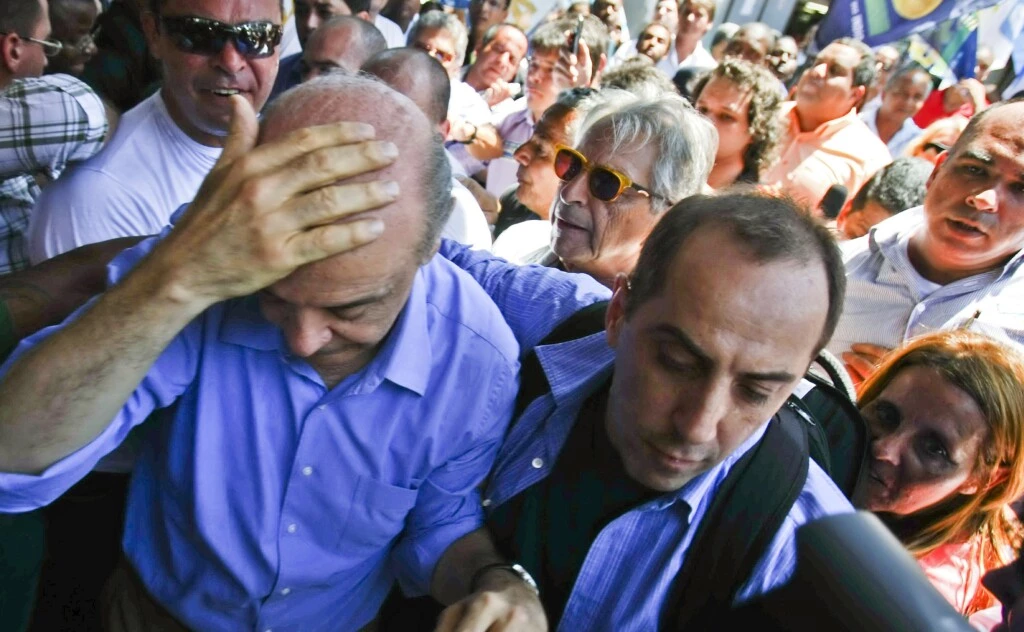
point(686, 142)
point(442, 21)
point(639, 76)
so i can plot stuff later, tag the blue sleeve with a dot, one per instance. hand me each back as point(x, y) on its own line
point(533, 299)
point(448, 503)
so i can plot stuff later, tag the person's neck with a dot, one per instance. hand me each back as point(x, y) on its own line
point(474, 80)
point(685, 45)
point(808, 121)
point(917, 251)
point(887, 126)
point(725, 172)
point(6, 79)
point(182, 123)
point(604, 272)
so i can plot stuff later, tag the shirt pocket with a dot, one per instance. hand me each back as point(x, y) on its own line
point(377, 516)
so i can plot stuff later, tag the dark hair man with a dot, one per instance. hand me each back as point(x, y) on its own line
point(496, 62)
point(604, 478)
point(264, 500)
point(45, 122)
point(342, 44)
point(742, 101)
point(894, 188)
point(825, 143)
point(654, 42)
point(164, 147)
point(955, 261)
point(902, 98)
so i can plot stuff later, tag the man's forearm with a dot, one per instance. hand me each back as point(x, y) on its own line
point(487, 145)
point(62, 394)
point(458, 565)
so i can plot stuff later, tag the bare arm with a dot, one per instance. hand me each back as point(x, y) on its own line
point(260, 214)
point(500, 602)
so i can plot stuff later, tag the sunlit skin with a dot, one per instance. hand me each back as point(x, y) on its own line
point(900, 101)
point(727, 106)
point(332, 50)
point(708, 361)
point(926, 442)
point(825, 91)
point(32, 59)
point(310, 14)
point(667, 12)
point(498, 60)
point(974, 205)
point(541, 85)
point(654, 41)
point(538, 184)
point(600, 238)
point(194, 85)
point(439, 44)
point(854, 223)
point(335, 313)
point(72, 29)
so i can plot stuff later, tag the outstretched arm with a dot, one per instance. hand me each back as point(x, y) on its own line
point(260, 214)
point(533, 299)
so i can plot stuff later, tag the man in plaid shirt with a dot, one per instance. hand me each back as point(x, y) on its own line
point(45, 122)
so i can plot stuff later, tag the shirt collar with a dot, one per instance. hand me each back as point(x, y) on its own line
point(885, 235)
point(405, 358)
point(561, 363)
point(825, 130)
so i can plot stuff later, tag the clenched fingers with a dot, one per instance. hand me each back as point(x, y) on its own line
point(333, 203)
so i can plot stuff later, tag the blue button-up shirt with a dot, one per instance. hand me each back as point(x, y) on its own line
point(265, 500)
point(629, 569)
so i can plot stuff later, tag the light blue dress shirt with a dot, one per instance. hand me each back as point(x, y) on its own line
point(265, 501)
point(628, 572)
point(899, 141)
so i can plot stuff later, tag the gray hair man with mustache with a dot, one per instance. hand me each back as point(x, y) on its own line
point(953, 262)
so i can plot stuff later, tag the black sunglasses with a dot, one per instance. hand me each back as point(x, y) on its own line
point(202, 36)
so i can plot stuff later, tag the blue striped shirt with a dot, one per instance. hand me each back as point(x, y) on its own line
point(884, 302)
point(628, 572)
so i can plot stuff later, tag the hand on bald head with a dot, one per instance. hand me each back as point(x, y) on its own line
point(421, 170)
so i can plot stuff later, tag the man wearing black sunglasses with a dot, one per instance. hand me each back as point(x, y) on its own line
point(164, 147)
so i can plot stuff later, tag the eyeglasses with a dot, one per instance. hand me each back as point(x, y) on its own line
point(605, 183)
point(51, 48)
point(936, 147)
point(201, 36)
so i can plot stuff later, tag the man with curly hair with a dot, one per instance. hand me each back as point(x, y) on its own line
point(742, 100)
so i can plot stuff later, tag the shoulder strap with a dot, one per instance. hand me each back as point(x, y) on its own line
point(745, 514)
point(533, 382)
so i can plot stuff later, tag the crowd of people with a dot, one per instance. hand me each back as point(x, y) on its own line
point(371, 315)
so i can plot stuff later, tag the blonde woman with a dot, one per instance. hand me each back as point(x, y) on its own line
point(946, 418)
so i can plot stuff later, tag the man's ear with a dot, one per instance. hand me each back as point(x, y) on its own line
point(152, 32)
point(445, 127)
point(364, 15)
point(858, 93)
point(10, 53)
point(615, 316)
point(939, 160)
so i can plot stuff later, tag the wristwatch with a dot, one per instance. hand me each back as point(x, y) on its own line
point(472, 136)
point(516, 569)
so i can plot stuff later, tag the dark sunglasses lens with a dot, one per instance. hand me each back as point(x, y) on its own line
point(257, 40)
point(567, 165)
point(207, 37)
point(604, 185)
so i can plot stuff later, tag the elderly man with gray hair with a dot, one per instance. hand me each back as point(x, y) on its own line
point(630, 165)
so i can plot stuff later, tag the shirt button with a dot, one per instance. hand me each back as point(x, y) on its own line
point(292, 528)
point(307, 471)
point(487, 502)
point(286, 591)
point(537, 463)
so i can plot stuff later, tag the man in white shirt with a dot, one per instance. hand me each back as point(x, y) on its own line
point(902, 98)
point(165, 146)
point(422, 79)
point(955, 262)
point(392, 32)
point(687, 52)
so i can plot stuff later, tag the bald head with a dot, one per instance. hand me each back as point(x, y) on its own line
point(412, 223)
point(343, 43)
point(418, 76)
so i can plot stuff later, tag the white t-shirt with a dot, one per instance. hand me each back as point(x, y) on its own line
point(467, 224)
point(147, 170)
point(521, 241)
point(392, 33)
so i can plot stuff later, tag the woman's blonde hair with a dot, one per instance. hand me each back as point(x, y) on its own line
point(955, 123)
point(992, 373)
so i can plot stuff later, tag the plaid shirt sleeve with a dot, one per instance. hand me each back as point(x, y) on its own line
point(48, 122)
